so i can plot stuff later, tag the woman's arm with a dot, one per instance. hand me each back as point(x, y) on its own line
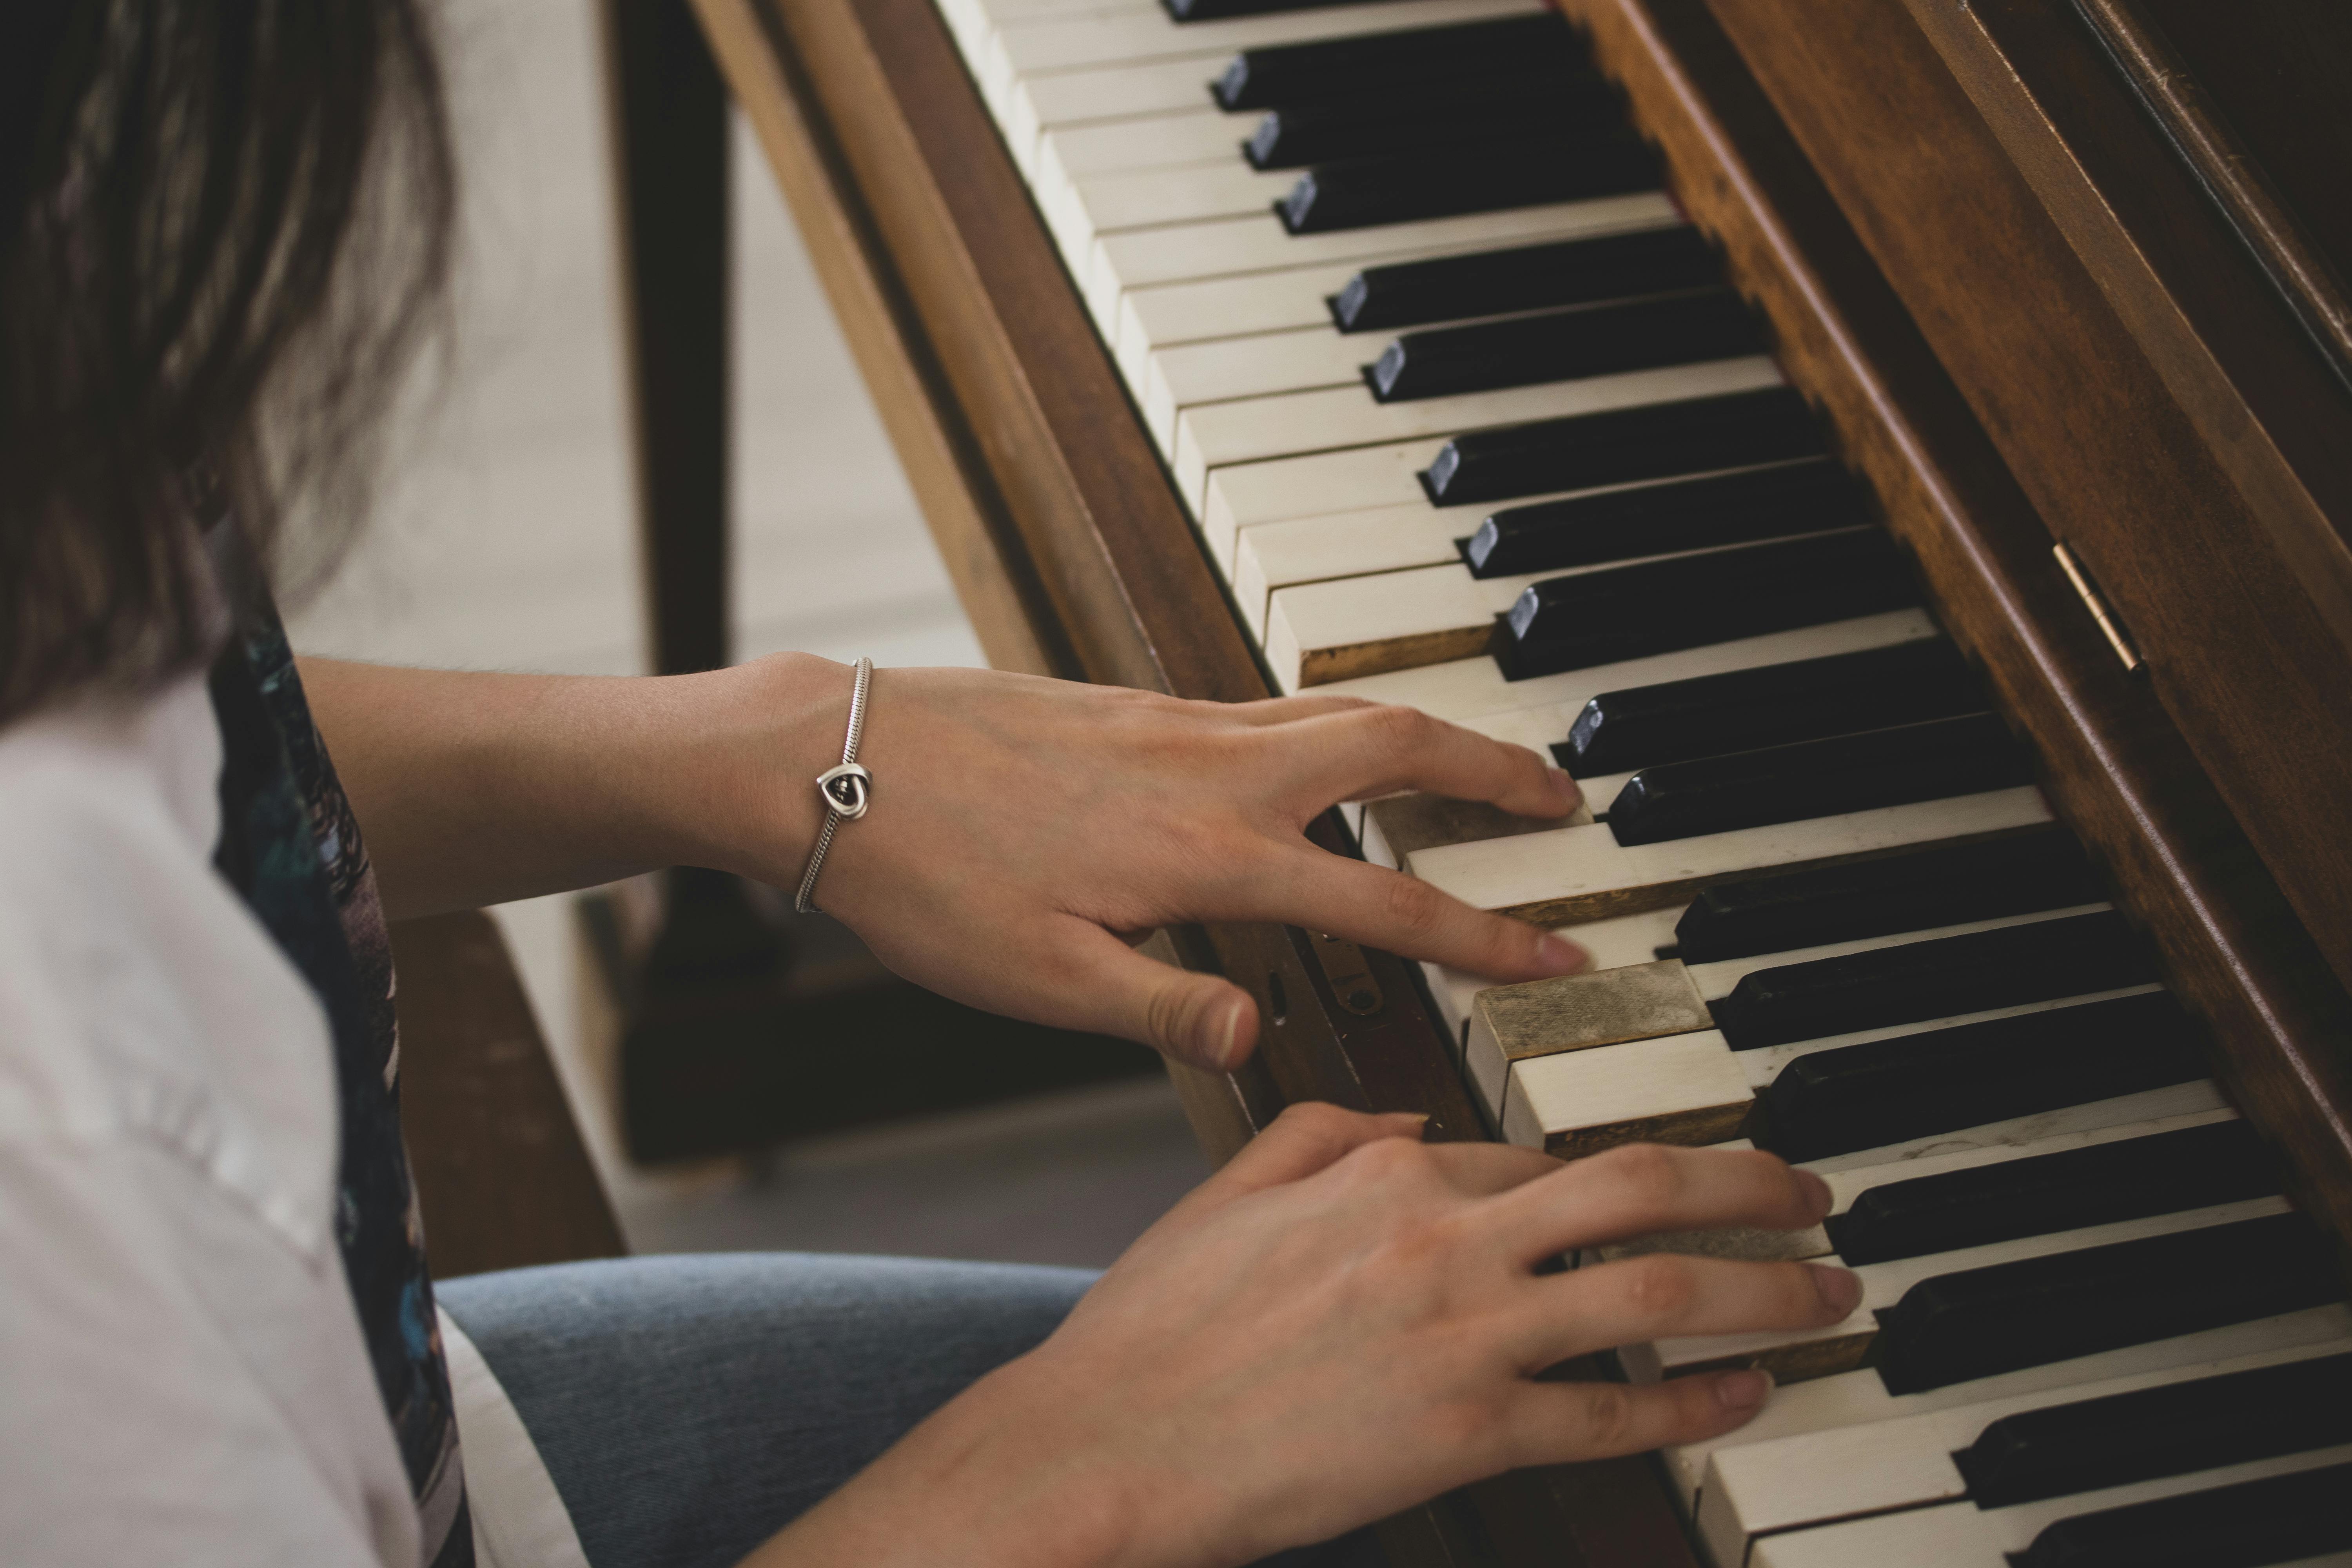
point(1020, 826)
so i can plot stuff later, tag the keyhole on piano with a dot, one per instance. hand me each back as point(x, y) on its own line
point(1277, 1002)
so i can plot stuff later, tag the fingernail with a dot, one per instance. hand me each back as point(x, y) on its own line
point(1565, 787)
point(1227, 1051)
point(1817, 1192)
point(1743, 1390)
point(1840, 1288)
point(1557, 955)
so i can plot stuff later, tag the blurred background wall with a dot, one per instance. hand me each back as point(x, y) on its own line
point(503, 540)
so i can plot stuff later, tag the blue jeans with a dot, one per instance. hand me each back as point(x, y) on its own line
point(688, 1408)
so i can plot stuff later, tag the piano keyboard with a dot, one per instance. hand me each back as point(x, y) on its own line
point(1468, 420)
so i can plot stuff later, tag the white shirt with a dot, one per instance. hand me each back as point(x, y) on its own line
point(182, 1379)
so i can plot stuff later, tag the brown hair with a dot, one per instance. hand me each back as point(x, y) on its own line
point(224, 231)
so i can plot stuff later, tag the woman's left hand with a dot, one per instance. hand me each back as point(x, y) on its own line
point(1023, 831)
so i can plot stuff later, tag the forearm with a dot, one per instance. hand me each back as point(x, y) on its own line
point(477, 788)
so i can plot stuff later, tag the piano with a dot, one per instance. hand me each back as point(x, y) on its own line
point(1898, 455)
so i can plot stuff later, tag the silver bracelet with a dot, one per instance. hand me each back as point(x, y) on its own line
point(846, 790)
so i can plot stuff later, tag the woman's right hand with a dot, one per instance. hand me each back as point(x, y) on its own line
point(1340, 1324)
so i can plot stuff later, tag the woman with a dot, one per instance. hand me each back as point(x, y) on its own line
point(222, 224)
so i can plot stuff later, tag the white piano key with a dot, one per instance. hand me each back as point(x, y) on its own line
point(1847, 1186)
point(1961, 1535)
point(1168, 315)
point(1332, 624)
point(1322, 632)
point(1876, 1467)
point(1221, 249)
point(1613, 944)
point(1256, 429)
point(1042, 44)
point(2173, 1099)
point(1575, 873)
point(1349, 544)
point(1471, 688)
point(1494, 1050)
point(1856, 1398)
point(1320, 484)
point(1201, 134)
point(1112, 93)
point(1682, 1090)
point(1173, 314)
point(1804, 1353)
point(1223, 369)
point(1145, 198)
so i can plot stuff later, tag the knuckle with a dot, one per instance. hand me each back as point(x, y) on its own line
point(1661, 1286)
point(1609, 1419)
point(1402, 730)
point(1650, 1173)
point(1414, 908)
point(1315, 1118)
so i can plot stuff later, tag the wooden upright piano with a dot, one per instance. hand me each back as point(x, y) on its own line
point(1899, 453)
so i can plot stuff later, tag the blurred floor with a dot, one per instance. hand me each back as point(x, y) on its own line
point(503, 540)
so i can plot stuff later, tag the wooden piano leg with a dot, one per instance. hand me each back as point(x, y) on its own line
point(667, 112)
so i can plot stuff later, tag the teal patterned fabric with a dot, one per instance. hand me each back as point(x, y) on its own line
point(290, 846)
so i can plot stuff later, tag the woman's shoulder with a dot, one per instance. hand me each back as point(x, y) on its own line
point(144, 1000)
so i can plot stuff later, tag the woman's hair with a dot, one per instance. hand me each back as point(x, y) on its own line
point(224, 229)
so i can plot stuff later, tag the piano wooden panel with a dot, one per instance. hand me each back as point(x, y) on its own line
point(2114, 761)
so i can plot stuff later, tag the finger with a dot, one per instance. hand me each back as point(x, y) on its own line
point(1644, 1188)
point(1479, 1170)
point(1308, 1137)
point(1668, 1294)
point(1562, 1422)
point(1376, 750)
point(1404, 915)
point(1107, 987)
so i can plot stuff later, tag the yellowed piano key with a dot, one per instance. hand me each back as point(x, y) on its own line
point(1685, 1088)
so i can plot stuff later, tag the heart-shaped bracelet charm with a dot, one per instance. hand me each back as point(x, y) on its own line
point(847, 789)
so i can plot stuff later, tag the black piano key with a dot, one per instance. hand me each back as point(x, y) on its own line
point(1933, 760)
point(2166, 1172)
point(1524, 278)
point(1487, 176)
point(1738, 508)
point(2276, 1519)
point(1940, 1080)
point(1588, 340)
point(1655, 607)
point(1655, 441)
point(1738, 711)
point(2043, 869)
point(1511, 48)
point(2007, 967)
point(1219, 10)
point(1981, 1322)
point(1444, 114)
point(2176, 1430)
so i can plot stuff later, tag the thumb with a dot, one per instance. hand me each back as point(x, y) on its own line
point(1201, 1020)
